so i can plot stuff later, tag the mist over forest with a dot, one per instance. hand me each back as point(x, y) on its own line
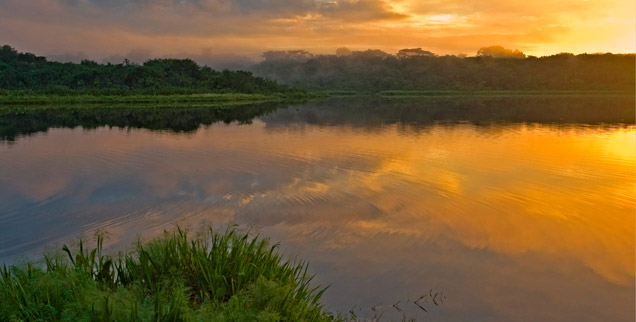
point(492, 68)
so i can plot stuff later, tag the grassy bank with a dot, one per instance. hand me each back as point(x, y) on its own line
point(501, 93)
point(35, 98)
point(476, 93)
point(227, 276)
point(26, 98)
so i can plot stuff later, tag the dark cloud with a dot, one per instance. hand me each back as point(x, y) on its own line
point(277, 7)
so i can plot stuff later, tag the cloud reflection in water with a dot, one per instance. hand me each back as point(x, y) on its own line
point(510, 220)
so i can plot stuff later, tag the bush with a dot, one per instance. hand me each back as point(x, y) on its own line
point(229, 276)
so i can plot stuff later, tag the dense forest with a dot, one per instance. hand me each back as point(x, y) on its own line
point(25, 71)
point(493, 68)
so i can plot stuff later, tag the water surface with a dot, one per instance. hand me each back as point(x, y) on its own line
point(516, 209)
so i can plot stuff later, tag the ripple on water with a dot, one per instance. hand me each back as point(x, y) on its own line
point(508, 219)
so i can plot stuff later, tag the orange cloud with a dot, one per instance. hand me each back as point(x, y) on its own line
point(103, 28)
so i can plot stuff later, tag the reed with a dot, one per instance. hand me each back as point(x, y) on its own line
point(213, 276)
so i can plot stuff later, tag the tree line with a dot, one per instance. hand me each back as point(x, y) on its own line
point(26, 71)
point(494, 68)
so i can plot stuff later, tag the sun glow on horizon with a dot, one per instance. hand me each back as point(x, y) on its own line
point(102, 28)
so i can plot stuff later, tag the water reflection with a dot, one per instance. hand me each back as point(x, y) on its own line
point(369, 113)
point(16, 120)
point(513, 221)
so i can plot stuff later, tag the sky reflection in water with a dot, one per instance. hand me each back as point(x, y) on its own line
point(512, 221)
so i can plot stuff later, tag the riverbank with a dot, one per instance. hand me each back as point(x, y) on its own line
point(480, 93)
point(18, 98)
point(219, 276)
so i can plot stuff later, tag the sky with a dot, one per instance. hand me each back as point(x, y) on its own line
point(235, 29)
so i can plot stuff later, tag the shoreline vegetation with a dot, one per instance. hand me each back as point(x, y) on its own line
point(9, 98)
point(507, 93)
point(492, 69)
point(27, 79)
point(480, 93)
point(213, 276)
point(210, 99)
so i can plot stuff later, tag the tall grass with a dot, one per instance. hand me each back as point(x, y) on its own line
point(214, 276)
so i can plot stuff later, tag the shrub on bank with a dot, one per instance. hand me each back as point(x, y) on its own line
point(228, 276)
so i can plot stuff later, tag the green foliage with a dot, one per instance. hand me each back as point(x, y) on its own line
point(25, 71)
point(229, 276)
point(27, 97)
point(415, 69)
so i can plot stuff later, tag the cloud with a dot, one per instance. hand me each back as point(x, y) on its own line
point(102, 28)
point(352, 10)
point(396, 196)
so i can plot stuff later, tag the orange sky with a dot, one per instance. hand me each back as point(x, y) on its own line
point(99, 28)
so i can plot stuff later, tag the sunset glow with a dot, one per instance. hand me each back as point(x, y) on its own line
point(433, 160)
point(100, 28)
